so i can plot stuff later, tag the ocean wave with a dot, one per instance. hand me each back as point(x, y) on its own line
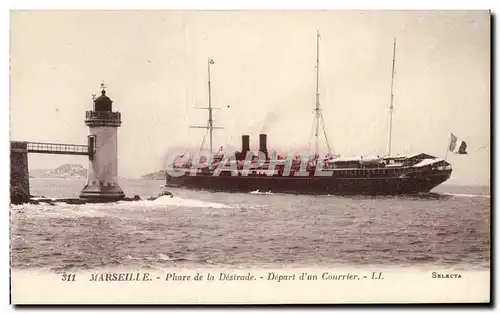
point(93, 208)
point(467, 195)
point(167, 201)
point(57, 209)
point(161, 258)
point(183, 202)
point(261, 193)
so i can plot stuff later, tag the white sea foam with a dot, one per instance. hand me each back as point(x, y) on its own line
point(261, 193)
point(164, 257)
point(161, 202)
point(182, 202)
point(103, 209)
point(467, 195)
point(59, 210)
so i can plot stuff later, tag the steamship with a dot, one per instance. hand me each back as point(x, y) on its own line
point(247, 171)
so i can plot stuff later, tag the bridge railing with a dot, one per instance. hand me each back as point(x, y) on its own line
point(55, 148)
point(102, 115)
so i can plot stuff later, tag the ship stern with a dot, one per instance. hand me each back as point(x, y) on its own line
point(432, 174)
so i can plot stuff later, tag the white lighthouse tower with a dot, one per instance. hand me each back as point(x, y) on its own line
point(102, 183)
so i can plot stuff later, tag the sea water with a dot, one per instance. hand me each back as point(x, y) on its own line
point(449, 228)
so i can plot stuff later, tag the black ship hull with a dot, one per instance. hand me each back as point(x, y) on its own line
point(313, 185)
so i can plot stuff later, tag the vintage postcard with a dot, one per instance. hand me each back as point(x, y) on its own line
point(250, 157)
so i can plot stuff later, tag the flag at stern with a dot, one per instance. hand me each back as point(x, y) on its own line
point(457, 146)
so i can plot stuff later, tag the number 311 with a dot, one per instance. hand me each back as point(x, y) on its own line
point(68, 277)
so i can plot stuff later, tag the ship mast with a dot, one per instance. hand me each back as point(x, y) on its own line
point(210, 121)
point(316, 151)
point(318, 115)
point(210, 127)
point(391, 106)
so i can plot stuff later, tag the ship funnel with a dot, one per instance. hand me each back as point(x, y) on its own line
point(245, 143)
point(263, 143)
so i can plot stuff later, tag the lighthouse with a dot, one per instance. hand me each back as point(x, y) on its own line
point(102, 183)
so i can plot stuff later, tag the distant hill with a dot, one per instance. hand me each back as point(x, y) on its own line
point(158, 175)
point(64, 171)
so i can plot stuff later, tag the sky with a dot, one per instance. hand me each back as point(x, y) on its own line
point(154, 64)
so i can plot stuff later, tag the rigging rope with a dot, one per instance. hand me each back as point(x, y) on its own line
point(311, 133)
point(204, 137)
point(324, 132)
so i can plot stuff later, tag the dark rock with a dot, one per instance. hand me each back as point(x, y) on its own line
point(166, 193)
point(34, 202)
point(18, 195)
point(131, 199)
point(74, 201)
